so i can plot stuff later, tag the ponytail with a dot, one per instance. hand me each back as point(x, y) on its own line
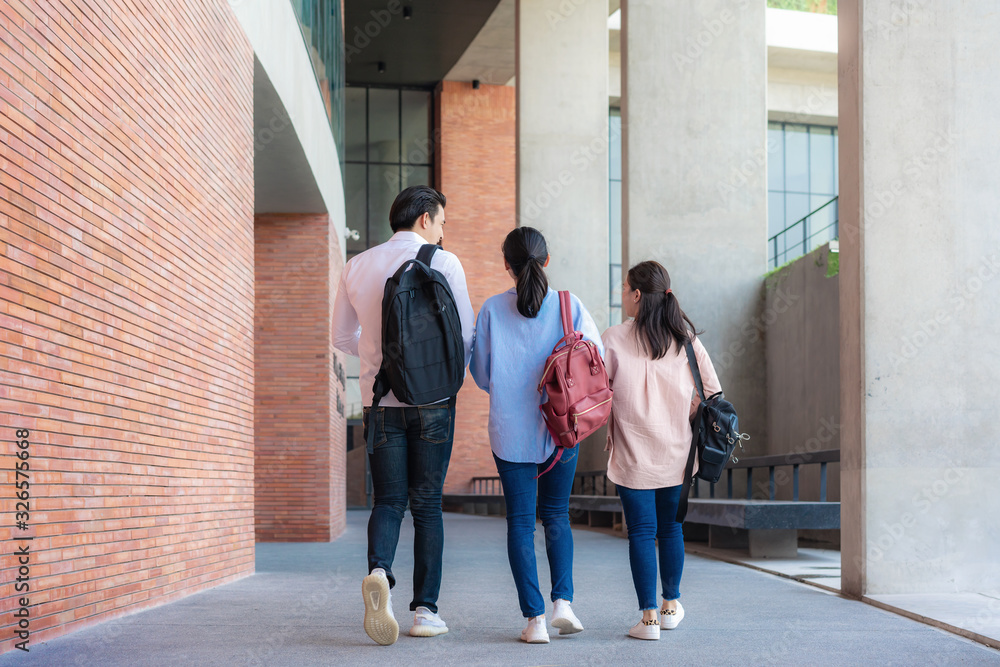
point(525, 250)
point(660, 321)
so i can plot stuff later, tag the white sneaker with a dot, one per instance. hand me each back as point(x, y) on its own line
point(427, 624)
point(645, 630)
point(672, 618)
point(380, 624)
point(564, 618)
point(536, 632)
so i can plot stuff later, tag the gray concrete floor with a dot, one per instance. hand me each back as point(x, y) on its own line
point(303, 607)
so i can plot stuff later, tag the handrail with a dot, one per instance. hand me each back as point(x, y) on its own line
point(491, 485)
point(807, 238)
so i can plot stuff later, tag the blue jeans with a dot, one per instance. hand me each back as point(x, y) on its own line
point(552, 490)
point(651, 515)
point(408, 464)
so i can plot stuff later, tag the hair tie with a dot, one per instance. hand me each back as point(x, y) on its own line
point(668, 291)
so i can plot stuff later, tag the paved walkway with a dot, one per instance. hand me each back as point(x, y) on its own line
point(303, 607)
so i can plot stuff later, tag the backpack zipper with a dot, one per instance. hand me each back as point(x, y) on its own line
point(576, 415)
point(554, 359)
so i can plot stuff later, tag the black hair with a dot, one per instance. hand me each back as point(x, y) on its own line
point(412, 203)
point(525, 250)
point(660, 320)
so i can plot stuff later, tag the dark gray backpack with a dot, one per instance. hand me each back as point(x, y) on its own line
point(716, 433)
point(423, 354)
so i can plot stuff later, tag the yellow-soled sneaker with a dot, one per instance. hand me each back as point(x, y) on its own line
point(380, 624)
point(427, 624)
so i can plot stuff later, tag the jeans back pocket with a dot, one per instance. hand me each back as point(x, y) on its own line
point(435, 424)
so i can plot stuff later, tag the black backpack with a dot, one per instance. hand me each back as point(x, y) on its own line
point(423, 353)
point(716, 432)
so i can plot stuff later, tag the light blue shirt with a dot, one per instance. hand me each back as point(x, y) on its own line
point(508, 359)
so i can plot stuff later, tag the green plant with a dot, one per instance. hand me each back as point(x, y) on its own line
point(814, 6)
point(832, 264)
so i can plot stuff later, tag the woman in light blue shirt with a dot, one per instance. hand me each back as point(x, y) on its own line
point(515, 334)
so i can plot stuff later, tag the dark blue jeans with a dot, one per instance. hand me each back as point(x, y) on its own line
point(408, 465)
point(552, 491)
point(650, 515)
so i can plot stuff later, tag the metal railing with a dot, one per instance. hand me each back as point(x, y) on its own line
point(595, 482)
point(822, 457)
point(486, 486)
point(804, 235)
point(322, 29)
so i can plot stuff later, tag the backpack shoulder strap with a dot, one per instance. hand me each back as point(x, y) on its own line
point(565, 307)
point(426, 253)
point(695, 371)
point(682, 505)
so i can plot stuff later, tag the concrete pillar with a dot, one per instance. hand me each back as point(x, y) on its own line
point(694, 174)
point(920, 259)
point(562, 141)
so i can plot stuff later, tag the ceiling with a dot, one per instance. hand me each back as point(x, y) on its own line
point(418, 51)
point(283, 178)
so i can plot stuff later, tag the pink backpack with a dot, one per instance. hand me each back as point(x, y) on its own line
point(577, 385)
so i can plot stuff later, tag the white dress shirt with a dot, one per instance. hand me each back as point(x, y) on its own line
point(357, 313)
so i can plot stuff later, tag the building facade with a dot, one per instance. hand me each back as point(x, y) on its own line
point(182, 184)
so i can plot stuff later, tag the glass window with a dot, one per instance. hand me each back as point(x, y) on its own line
point(416, 126)
point(775, 213)
point(615, 233)
point(383, 186)
point(821, 176)
point(775, 157)
point(356, 200)
point(836, 162)
point(796, 159)
point(355, 103)
point(375, 168)
point(383, 125)
point(796, 207)
point(616, 283)
point(615, 145)
point(615, 215)
point(801, 178)
point(415, 176)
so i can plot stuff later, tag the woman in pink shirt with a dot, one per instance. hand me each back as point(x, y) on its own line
point(649, 434)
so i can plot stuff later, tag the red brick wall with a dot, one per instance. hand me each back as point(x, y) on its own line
point(300, 434)
point(126, 303)
point(476, 170)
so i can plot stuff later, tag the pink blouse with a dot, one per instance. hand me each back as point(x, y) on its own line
point(649, 434)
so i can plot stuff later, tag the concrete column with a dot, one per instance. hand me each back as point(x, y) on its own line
point(562, 140)
point(920, 259)
point(694, 174)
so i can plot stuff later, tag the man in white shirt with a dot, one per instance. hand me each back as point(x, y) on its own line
point(412, 444)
